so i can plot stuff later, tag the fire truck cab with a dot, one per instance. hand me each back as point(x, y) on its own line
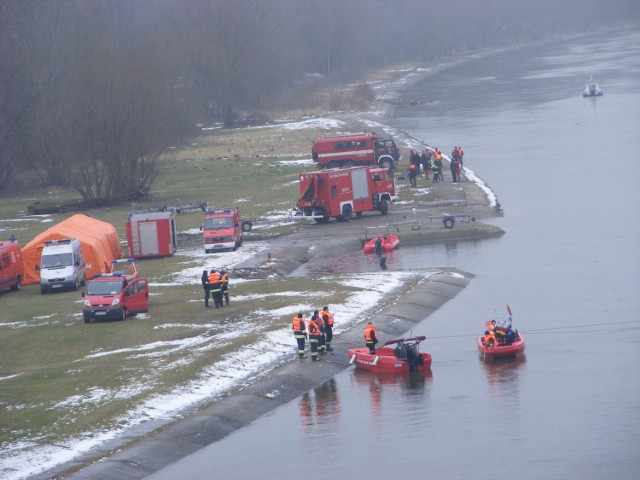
point(222, 230)
point(355, 150)
point(113, 296)
point(343, 192)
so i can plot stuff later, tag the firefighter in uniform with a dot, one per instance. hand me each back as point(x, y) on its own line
point(216, 288)
point(328, 327)
point(224, 283)
point(370, 337)
point(207, 288)
point(319, 321)
point(299, 333)
point(314, 336)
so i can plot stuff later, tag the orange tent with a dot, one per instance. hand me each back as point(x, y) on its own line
point(100, 244)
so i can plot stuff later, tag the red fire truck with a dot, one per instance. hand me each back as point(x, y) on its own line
point(222, 230)
point(341, 192)
point(354, 150)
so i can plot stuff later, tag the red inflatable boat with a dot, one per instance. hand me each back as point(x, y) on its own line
point(404, 357)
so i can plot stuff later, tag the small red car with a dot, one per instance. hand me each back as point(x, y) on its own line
point(115, 295)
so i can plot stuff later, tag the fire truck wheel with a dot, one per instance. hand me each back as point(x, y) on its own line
point(333, 165)
point(349, 163)
point(384, 206)
point(448, 222)
point(347, 212)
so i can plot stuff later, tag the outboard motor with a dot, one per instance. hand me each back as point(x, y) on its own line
point(412, 357)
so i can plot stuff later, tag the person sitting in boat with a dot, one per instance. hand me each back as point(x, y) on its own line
point(370, 338)
point(489, 339)
point(491, 325)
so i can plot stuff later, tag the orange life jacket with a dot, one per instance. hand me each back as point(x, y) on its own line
point(328, 318)
point(298, 325)
point(368, 331)
point(314, 331)
point(214, 279)
point(489, 339)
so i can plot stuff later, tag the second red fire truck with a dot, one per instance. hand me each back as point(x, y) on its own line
point(343, 192)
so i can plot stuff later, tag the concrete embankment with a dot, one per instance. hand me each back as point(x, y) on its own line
point(138, 457)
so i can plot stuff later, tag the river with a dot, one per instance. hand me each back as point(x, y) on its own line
point(565, 171)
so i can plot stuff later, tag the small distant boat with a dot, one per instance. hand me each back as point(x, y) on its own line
point(387, 241)
point(403, 358)
point(592, 89)
point(501, 350)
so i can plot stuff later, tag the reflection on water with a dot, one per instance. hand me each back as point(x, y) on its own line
point(411, 387)
point(503, 376)
point(320, 406)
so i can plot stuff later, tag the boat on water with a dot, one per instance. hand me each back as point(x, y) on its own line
point(403, 358)
point(500, 340)
point(502, 350)
point(592, 89)
point(379, 243)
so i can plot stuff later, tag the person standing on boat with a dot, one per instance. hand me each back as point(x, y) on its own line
point(328, 327)
point(314, 339)
point(300, 333)
point(370, 337)
point(206, 287)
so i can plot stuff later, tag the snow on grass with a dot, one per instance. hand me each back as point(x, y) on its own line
point(239, 367)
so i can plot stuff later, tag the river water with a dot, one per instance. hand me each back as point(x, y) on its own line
point(565, 171)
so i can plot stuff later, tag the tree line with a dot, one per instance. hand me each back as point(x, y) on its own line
point(93, 91)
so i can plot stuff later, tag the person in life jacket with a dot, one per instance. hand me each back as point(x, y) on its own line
point(491, 325)
point(314, 338)
point(299, 333)
point(319, 321)
point(413, 173)
point(489, 339)
point(370, 337)
point(224, 286)
point(216, 288)
point(328, 327)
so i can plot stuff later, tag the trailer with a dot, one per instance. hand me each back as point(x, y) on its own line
point(343, 192)
point(152, 234)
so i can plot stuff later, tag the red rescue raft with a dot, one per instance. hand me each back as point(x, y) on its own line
point(502, 350)
point(404, 357)
point(388, 243)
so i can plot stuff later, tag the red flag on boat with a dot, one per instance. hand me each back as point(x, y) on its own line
point(509, 310)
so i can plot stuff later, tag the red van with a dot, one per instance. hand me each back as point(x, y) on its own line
point(11, 267)
point(113, 296)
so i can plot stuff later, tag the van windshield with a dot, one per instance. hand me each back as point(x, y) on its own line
point(214, 223)
point(105, 288)
point(57, 260)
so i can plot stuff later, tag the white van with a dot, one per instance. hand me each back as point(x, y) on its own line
point(61, 265)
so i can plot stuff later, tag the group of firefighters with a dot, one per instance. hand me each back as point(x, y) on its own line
point(431, 163)
point(498, 334)
point(216, 286)
point(318, 329)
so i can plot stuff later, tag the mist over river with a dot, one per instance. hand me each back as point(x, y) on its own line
point(565, 170)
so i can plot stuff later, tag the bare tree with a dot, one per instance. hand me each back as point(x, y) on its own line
point(116, 126)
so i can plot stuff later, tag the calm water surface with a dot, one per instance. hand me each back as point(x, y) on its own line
point(566, 171)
